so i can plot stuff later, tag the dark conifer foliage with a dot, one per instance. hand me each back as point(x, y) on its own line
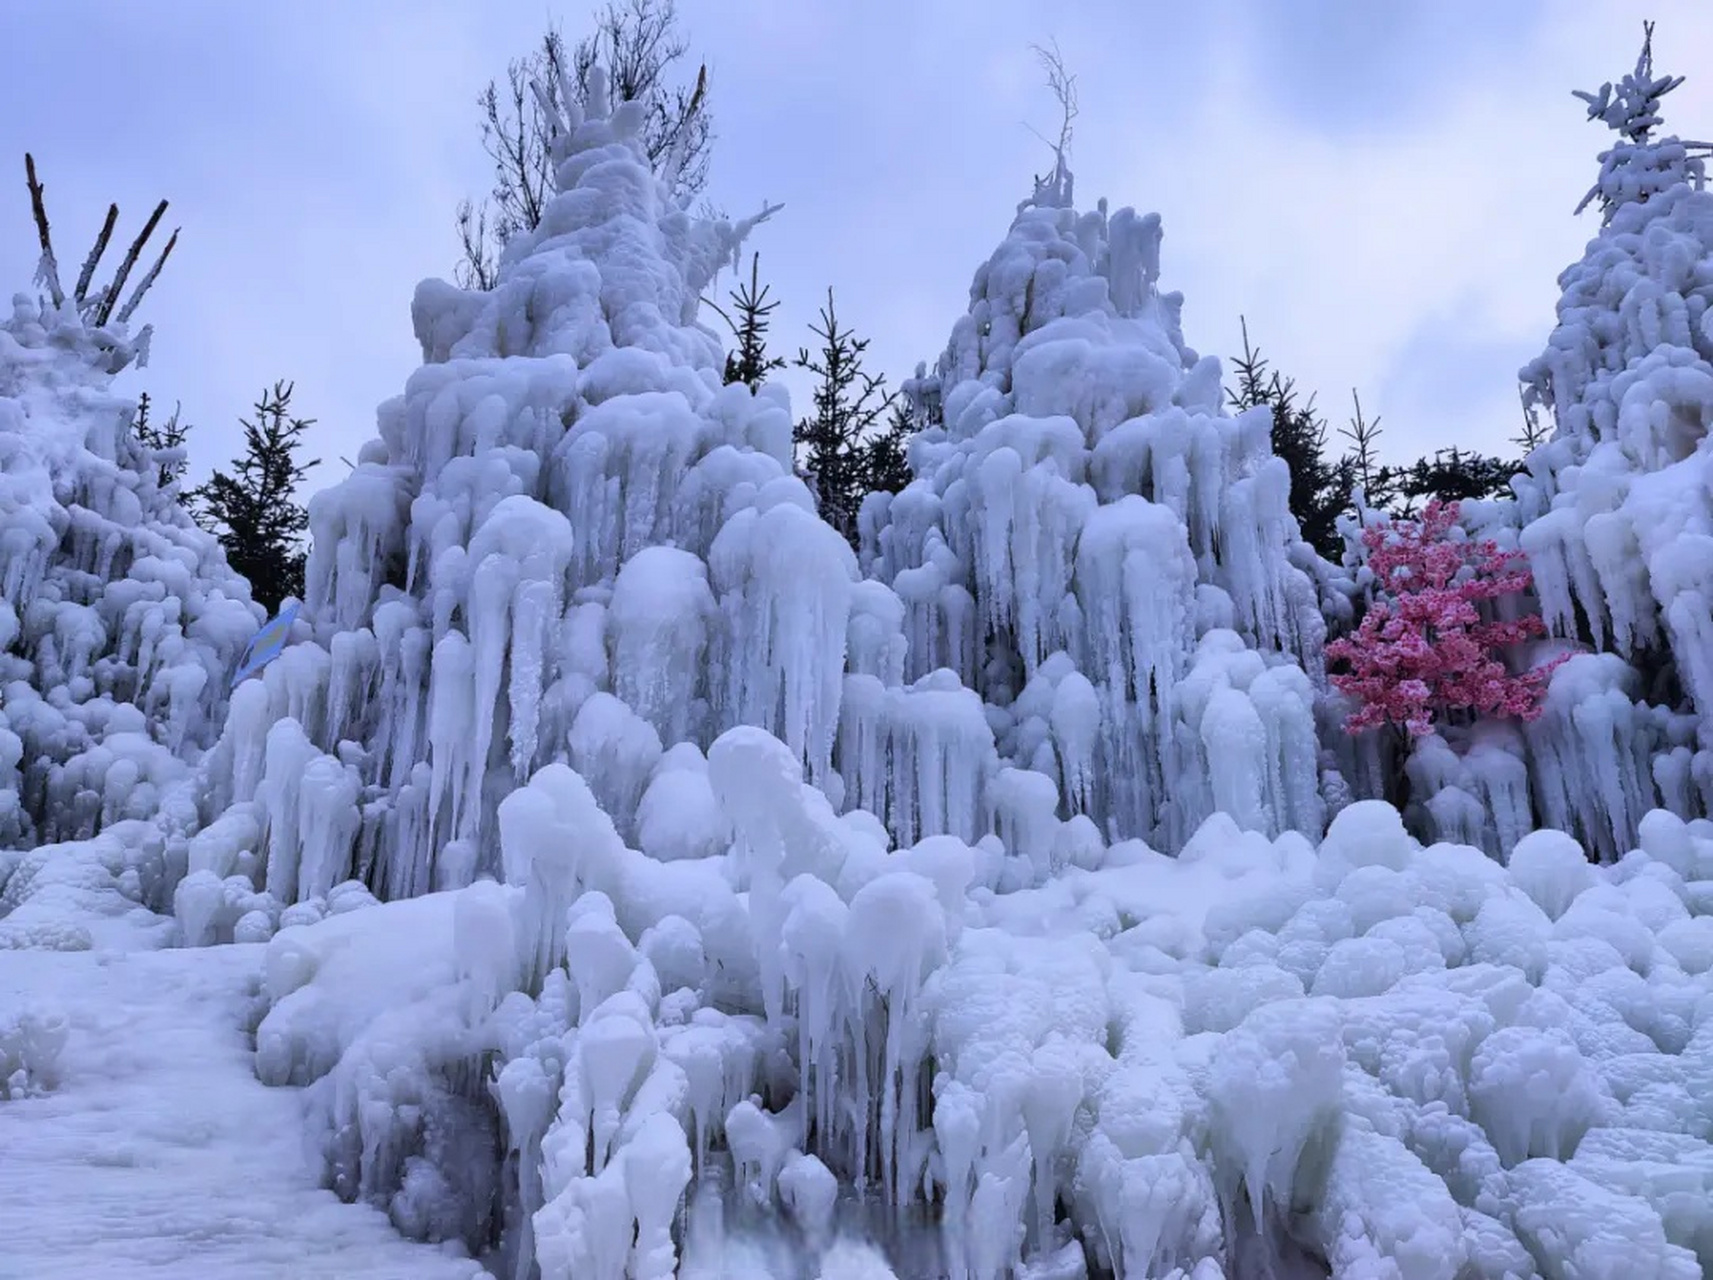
point(165, 440)
point(252, 509)
point(1320, 490)
point(749, 319)
point(836, 453)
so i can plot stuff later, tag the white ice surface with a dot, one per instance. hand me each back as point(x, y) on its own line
point(159, 1154)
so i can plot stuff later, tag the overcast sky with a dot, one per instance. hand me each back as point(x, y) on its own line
point(1383, 188)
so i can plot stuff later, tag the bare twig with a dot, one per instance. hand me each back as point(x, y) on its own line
point(147, 280)
point(1064, 87)
point(105, 311)
point(89, 264)
point(49, 270)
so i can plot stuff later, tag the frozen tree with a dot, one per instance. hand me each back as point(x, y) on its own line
point(1639, 166)
point(119, 620)
point(1096, 549)
point(639, 47)
point(1615, 510)
point(253, 508)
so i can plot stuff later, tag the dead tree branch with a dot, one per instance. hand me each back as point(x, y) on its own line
point(48, 272)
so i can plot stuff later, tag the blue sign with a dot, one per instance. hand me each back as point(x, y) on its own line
point(266, 645)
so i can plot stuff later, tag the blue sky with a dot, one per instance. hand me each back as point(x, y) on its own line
point(1385, 190)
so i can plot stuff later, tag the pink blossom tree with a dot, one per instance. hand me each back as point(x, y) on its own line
point(1423, 647)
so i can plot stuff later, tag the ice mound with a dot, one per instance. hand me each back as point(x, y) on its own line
point(1369, 1051)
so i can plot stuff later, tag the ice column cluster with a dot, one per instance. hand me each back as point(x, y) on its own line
point(1101, 554)
point(1618, 505)
point(571, 543)
point(120, 622)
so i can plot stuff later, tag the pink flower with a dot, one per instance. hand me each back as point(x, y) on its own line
point(1423, 646)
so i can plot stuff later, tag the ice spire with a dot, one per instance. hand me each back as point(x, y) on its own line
point(1639, 166)
point(1097, 551)
point(1617, 508)
point(570, 543)
point(119, 620)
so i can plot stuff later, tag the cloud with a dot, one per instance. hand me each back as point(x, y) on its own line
point(1385, 197)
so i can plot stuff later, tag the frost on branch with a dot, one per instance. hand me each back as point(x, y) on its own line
point(1425, 648)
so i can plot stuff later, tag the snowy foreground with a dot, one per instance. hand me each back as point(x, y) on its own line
point(1451, 1068)
point(140, 1142)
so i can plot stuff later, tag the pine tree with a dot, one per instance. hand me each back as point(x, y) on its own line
point(252, 510)
point(1320, 490)
point(166, 442)
point(848, 403)
point(1377, 482)
point(888, 454)
point(1449, 476)
point(749, 319)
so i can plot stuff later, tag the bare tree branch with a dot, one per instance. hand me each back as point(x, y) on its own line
point(148, 278)
point(48, 272)
point(89, 264)
point(105, 311)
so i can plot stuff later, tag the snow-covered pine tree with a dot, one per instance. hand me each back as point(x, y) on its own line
point(120, 621)
point(1618, 505)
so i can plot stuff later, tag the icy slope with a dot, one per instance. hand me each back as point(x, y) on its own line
point(146, 1147)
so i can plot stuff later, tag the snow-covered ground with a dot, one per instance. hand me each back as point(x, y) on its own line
point(150, 1149)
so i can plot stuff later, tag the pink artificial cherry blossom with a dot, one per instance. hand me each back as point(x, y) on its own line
point(1423, 647)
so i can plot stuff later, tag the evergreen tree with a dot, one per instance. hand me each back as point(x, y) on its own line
point(1363, 462)
point(749, 319)
point(252, 510)
point(888, 454)
point(1320, 491)
point(166, 441)
point(1449, 476)
point(849, 401)
point(636, 44)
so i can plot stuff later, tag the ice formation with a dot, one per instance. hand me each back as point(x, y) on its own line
point(751, 898)
point(1096, 550)
point(1618, 505)
point(970, 907)
point(120, 622)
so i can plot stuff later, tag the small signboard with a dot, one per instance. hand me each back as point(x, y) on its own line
point(266, 645)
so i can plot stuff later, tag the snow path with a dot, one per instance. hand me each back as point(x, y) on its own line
point(160, 1154)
